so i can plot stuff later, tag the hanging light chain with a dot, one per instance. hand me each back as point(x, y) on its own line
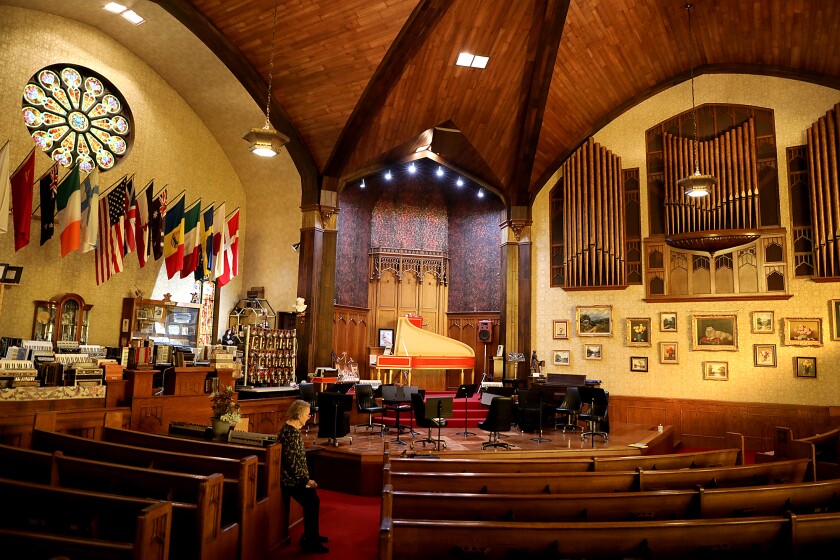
point(271, 69)
point(693, 104)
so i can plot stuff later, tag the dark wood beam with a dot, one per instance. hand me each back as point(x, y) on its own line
point(549, 19)
point(255, 84)
point(740, 68)
point(420, 24)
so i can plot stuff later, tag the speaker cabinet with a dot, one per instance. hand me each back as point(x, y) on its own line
point(485, 330)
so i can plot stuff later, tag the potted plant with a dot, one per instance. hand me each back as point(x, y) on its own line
point(226, 411)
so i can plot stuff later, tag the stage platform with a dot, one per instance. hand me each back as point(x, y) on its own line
point(356, 466)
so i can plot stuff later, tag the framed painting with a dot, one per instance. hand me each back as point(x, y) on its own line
point(561, 330)
point(801, 331)
point(592, 351)
point(594, 320)
point(716, 371)
point(638, 331)
point(668, 353)
point(805, 367)
point(834, 314)
point(638, 363)
point(764, 355)
point(667, 321)
point(561, 357)
point(762, 322)
point(714, 332)
point(386, 338)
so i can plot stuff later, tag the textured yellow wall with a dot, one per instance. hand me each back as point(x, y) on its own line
point(171, 145)
point(797, 105)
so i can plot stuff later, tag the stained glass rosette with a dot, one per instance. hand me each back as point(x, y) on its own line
point(77, 116)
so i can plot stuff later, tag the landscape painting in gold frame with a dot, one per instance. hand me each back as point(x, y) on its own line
point(594, 320)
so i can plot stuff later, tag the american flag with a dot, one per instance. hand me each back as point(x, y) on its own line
point(109, 250)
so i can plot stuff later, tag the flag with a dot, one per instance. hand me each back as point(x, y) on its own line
point(21, 181)
point(204, 269)
point(192, 241)
point(141, 233)
point(157, 218)
point(68, 206)
point(130, 217)
point(219, 238)
point(48, 186)
point(90, 211)
point(5, 187)
point(231, 249)
point(173, 239)
point(108, 255)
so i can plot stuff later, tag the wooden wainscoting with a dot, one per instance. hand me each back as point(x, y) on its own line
point(352, 335)
point(463, 326)
point(701, 423)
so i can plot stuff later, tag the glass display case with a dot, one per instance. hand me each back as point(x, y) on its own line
point(63, 318)
point(163, 322)
point(254, 312)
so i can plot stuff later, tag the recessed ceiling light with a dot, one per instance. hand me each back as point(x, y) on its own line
point(459, 182)
point(388, 175)
point(133, 17)
point(480, 61)
point(114, 8)
point(464, 59)
point(440, 171)
point(480, 193)
point(362, 184)
point(412, 168)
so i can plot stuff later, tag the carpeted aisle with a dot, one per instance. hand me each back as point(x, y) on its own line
point(351, 523)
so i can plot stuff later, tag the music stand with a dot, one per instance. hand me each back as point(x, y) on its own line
point(539, 438)
point(396, 398)
point(465, 392)
point(436, 409)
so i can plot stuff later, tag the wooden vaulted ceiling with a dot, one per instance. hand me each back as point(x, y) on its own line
point(356, 81)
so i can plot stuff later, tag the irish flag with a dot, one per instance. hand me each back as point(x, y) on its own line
point(192, 240)
point(68, 206)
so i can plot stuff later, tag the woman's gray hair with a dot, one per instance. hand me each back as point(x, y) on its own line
point(296, 410)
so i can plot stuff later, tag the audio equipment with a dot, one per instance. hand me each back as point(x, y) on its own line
point(485, 330)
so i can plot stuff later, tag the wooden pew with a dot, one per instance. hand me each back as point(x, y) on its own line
point(240, 476)
point(141, 524)
point(812, 535)
point(806, 497)
point(700, 459)
point(40, 546)
point(197, 532)
point(824, 452)
point(741, 475)
point(270, 509)
point(595, 482)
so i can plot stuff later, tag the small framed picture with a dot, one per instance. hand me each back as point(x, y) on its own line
point(561, 357)
point(668, 353)
point(764, 355)
point(386, 338)
point(667, 321)
point(714, 332)
point(834, 314)
point(638, 363)
point(638, 331)
point(716, 371)
point(762, 322)
point(802, 331)
point(141, 314)
point(500, 351)
point(591, 351)
point(594, 320)
point(805, 367)
point(159, 312)
point(561, 330)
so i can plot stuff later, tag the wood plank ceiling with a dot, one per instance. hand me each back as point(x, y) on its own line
point(362, 80)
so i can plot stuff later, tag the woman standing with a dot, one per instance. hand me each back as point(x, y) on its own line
point(294, 477)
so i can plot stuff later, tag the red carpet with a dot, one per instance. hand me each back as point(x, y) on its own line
point(351, 523)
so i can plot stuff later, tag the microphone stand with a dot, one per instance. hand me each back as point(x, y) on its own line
point(540, 439)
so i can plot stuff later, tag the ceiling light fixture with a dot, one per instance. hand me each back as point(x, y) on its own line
point(388, 175)
point(439, 171)
point(114, 8)
point(459, 182)
point(412, 168)
point(472, 60)
point(266, 141)
point(480, 193)
point(696, 185)
point(133, 17)
point(362, 184)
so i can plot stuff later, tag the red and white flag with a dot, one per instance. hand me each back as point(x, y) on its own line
point(230, 249)
point(219, 238)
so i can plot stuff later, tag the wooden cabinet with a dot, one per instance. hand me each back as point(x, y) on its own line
point(164, 322)
point(63, 318)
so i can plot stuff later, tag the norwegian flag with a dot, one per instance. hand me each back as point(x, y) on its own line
point(109, 250)
point(130, 217)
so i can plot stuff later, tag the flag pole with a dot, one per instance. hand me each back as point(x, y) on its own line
point(6, 143)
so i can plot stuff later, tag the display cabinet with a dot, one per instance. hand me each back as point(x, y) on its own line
point(63, 318)
point(255, 312)
point(270, 356)
point(160, 321)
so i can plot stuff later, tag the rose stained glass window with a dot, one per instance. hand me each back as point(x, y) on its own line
point(77, 117)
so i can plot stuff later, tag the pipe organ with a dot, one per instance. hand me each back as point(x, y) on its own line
point(823, 155)
point(733, 203)
point(593, 218)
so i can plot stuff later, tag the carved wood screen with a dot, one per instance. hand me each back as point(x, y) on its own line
point(733, 201)
point(588, 211)
point(823, 155)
